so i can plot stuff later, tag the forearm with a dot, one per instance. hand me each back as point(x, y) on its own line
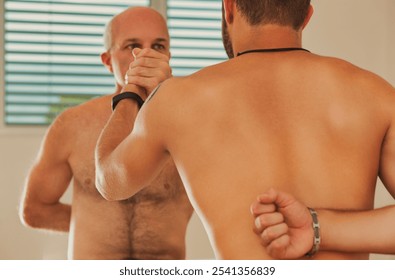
point(53, 217)
point(118, 127)
point(360, 231)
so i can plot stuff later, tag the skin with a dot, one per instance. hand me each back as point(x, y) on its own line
point(284, 224)
point(304, 123)
point(135, 228)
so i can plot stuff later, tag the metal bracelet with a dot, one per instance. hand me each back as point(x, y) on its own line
point(317, 235)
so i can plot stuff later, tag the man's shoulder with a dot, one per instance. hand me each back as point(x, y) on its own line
point(73, 118)
point(86, 109)
point(197, 80)
point(345, 70)
point(365, 83)
point(176, 89)
point(93, 104)
point(334, 65)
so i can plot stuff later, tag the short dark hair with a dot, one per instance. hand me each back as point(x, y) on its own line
point(282, 12)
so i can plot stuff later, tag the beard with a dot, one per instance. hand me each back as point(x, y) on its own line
point(226, 40)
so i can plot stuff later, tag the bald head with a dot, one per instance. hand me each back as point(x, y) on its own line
point(142, 18)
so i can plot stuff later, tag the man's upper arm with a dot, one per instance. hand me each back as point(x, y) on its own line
point(387, 160)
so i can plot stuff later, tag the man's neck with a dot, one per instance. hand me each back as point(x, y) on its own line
point(267, 37)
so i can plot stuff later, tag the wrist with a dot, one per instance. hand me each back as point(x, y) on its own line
point(136, 98)
point(139, 90)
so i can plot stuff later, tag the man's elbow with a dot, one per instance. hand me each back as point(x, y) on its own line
point(115, 185)
point(102, 188)
point(28, 215)
point(101, 181)
point(108, 188)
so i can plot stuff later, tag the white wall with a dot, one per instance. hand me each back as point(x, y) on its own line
point(360, 31)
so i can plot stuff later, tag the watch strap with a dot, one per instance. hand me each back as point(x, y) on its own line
point(127, 95)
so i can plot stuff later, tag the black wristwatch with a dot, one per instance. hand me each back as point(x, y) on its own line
point(129, 95)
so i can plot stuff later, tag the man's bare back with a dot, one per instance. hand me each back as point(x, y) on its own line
point(316, 133)
point(136, 228)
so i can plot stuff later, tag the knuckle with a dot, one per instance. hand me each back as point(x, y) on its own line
point(270, 234)
point(276, 245)
point(255, 208)
point(145, 51)
point(264, 221)
point(279, 217)
point(159, 79)
point(138, 71)
point(143, 60)
point(264, 239)
point(134, 80)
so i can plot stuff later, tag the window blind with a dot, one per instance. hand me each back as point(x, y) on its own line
point(52, 55)
point(195, 31)
point(52, 51)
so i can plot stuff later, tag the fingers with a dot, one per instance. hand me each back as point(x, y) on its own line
point(275, 234)
point(149, 69)
point(283, 224)
point(149, 62)
point(278, 247)
point(149, 53)
point(265, 221)
point(148, 58)
point(135, 52)
point(269, 222)
point(146, 71)
point(149, 84)
point(147, 78)
point(281, 199)
point(272, 233)
point(264, 203)
point(269, 196)
point(257, 208)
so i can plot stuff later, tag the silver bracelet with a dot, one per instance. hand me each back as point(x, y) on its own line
point(317, 235)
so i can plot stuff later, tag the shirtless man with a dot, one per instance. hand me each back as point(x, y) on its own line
point(304, 123)
point(135, 228)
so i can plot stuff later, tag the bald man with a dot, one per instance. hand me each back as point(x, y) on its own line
point(134, 228)
point(275, 115)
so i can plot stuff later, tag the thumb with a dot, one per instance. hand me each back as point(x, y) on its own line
point(135, 52)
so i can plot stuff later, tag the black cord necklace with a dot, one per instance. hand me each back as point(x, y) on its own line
point(272, 50)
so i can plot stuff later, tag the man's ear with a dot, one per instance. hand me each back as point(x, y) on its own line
point(310, 13)
point(106, 60)
point(228, 11)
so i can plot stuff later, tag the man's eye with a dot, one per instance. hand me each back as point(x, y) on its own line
point(133, 46)
point(158, 47)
